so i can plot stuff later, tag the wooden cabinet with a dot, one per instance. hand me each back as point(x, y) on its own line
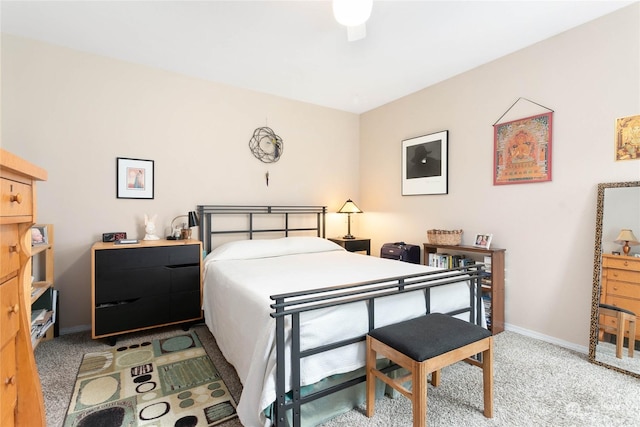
point(21, 400)
point(145, 285)
point(621, 285)
point(493, 288)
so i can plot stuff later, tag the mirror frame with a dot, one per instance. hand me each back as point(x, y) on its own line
point(597, 268)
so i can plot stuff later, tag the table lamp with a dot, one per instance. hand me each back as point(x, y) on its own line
point(349, 207)
point(185, 231)
point(627, 238)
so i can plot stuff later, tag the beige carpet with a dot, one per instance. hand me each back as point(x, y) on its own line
point(536, 384)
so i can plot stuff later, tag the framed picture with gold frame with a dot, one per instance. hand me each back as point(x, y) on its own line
point(627, 138)
point(522, 150)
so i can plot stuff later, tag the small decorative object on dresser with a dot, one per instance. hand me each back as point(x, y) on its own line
point(150, 228)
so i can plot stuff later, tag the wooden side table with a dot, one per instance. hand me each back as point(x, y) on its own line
point(353, 245)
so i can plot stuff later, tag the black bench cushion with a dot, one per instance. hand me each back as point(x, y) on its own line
point(613, 307)
point(428, 336)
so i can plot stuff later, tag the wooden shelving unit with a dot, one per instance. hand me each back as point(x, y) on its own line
point(494, 287)
point(42, 288)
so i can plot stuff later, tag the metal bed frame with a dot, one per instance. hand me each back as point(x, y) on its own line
point(294, 304)
point(252, 213)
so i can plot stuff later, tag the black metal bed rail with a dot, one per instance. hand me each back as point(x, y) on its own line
point(295, 303)
point(207, 212)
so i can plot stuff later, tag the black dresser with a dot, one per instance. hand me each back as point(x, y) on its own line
point(145, 285)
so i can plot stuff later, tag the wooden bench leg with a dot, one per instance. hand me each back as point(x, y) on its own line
point(371, 379)
point(419, 394)
point(632, 335)
point(435, 378)
point(487, 379)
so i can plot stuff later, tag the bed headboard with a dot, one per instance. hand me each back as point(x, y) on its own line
point(218, 220)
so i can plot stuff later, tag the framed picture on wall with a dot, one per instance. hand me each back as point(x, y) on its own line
point(522, 150)
point(134, 178)
point(628, 138)
point(425, 164)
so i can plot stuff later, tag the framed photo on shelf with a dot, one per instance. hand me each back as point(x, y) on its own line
point(425, 164)
point(522, 150)
point(134, 178)
point(39, 235)
point(483, 241)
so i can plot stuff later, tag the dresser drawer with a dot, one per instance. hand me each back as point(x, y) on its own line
point(621, 263)
point(8, 374)
point(9, 310)
point(9, 255)
point(622, 275)
point(17, 199)
point(624, 289)
point(137, 258)
point(132, 315)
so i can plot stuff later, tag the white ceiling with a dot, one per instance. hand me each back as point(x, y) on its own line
point(295, 49)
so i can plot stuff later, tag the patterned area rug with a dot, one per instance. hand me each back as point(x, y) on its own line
point(168, 382)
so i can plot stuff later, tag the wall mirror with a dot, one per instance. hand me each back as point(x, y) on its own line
point(616, 278)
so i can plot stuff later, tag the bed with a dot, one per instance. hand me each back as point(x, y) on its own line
point(290, 313)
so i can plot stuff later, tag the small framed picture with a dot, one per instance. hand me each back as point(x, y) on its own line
point(483, 240)
point(134, 178)
point(39, 235)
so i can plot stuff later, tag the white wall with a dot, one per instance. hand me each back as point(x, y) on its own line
point(589, 76)
point(73, 113)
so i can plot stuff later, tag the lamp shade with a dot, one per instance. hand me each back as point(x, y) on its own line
point(352, 13)
point(349, 207)
point(193, 219)
point(626, 236)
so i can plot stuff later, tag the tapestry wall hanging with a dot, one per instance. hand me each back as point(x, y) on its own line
point(522, 150)
point(628, 138)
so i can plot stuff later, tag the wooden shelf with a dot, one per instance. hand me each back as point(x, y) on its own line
point(496, 289)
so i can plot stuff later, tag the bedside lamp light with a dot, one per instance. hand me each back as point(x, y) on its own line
point(349, 208)
point(627, 238)
point(184, 233)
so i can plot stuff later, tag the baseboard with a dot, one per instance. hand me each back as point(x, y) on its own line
point(547, 338)
point(74, 329)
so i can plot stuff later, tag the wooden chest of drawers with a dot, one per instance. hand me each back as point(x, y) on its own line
point(621, 284)
point(21, 401)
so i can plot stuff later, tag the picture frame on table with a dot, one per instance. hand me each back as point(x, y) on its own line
point(425, 164)
point(39, 235)
point(134, 178)
point(483, 241)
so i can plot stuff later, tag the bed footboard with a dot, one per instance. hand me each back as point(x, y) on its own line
point(292, 305)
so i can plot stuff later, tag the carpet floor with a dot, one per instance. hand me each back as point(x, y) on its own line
point(536, 384)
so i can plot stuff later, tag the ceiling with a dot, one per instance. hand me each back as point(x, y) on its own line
point(295, 49)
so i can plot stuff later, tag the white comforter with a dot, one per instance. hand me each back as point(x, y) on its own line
point(239, 279)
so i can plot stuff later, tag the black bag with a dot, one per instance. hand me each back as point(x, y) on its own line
point(401, 251)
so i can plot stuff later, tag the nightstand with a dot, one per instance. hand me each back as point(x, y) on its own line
point(353, 245)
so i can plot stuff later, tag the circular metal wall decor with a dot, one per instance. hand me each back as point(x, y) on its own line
point(266, 145)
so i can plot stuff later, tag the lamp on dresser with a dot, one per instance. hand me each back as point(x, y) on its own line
point(184, 233)
point(626, 238)
point(349, 208)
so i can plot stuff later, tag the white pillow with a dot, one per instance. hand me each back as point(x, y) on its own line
point(250, 249)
